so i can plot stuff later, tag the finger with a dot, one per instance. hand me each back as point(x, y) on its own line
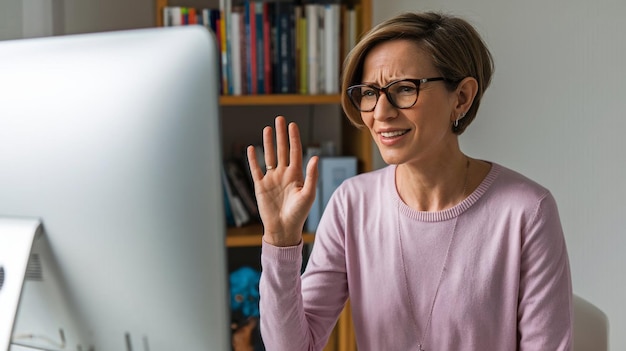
point(295, 146)
point(282, 148)
point(268, 147)
point(310, 181)
point(255, 170)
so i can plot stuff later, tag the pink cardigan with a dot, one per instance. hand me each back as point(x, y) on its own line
point(506, 283)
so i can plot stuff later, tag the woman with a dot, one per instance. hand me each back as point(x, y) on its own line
point(437, 251)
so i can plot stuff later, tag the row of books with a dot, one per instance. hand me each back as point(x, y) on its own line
point(277, 46)
point(240, 204)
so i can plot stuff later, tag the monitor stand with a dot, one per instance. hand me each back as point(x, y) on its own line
point(17, 236)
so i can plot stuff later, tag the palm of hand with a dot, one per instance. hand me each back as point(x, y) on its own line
point(284, 195)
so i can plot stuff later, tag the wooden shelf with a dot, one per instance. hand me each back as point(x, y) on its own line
point(251, 235)
point(279, 99)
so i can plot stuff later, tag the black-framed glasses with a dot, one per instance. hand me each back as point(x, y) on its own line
point(400, 93)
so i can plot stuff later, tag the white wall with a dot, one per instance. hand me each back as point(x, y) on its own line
point(39, 18)
point(10, 19)
point(42, 18)
point(555, 112)
point(85, 16)
point(30, 18)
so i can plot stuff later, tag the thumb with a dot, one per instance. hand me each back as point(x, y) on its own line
point(310, 180)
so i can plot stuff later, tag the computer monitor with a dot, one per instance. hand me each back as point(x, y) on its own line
point(112, 141)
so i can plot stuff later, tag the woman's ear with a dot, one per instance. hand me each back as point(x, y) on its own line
point(465, 92)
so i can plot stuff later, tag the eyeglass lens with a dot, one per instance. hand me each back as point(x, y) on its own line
point(401, 94)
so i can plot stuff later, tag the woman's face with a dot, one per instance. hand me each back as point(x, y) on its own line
point(421, 133)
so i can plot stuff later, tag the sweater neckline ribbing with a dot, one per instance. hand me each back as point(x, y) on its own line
point(449, 213)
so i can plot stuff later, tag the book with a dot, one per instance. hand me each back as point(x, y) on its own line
point(228, 212)
point(177, 16)
point(267, 48)
point(236, 206)
point(225, 7)
point(285, 47)
point(321, 47)
point(192, 16)
point(311, 11)
point(214, 20)
point(331, 44)
point(333, 170)
point(205, 14)
point(185, 15)
point(237, 56)
point(250, 44)
point(349, 29)
point(302, 56)
point(274, 47)
point(167, 16)
point(241, 186)
point(259, 47)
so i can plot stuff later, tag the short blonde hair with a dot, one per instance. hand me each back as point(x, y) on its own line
point(456, 49)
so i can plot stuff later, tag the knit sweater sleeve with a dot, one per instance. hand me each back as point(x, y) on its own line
point(299, 312)
point(283, 324)
point(545, 293)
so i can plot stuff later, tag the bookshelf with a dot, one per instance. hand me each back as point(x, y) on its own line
point(249, 236)
point(279, 99)
point(355, 142)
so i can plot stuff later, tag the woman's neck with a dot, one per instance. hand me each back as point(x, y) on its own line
point(434, 186)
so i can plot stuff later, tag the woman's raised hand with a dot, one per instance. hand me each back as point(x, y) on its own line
point(283, 194)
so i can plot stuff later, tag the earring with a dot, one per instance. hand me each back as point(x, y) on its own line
point(456, 121)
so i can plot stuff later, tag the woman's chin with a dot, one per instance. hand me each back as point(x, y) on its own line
point(391, 159)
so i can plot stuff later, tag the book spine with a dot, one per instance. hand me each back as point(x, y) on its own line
point(349, 30)
point(312, 21)
point(192, 16)
point(236, 49)
point(275, 43)
point(303, 55)
point(285, 71)
point(240, 216)
point(241, 187)
point(185, 15)
point(206, 18)
point(245, 55)
point(227, 11)
point(321, 45)
point(267, 48)
point(331, 43)
point(215, 19)
point(224, 14)
point(218, 39)
point(167, 16)
point(292, 54)
point(250, 26)
point(283, 46)
point(228, 212)
point(260, 55)
point(177, 16)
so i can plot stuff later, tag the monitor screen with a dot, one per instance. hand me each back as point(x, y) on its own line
point(112, 141)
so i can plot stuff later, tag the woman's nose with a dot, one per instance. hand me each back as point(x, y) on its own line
point(384, 109)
